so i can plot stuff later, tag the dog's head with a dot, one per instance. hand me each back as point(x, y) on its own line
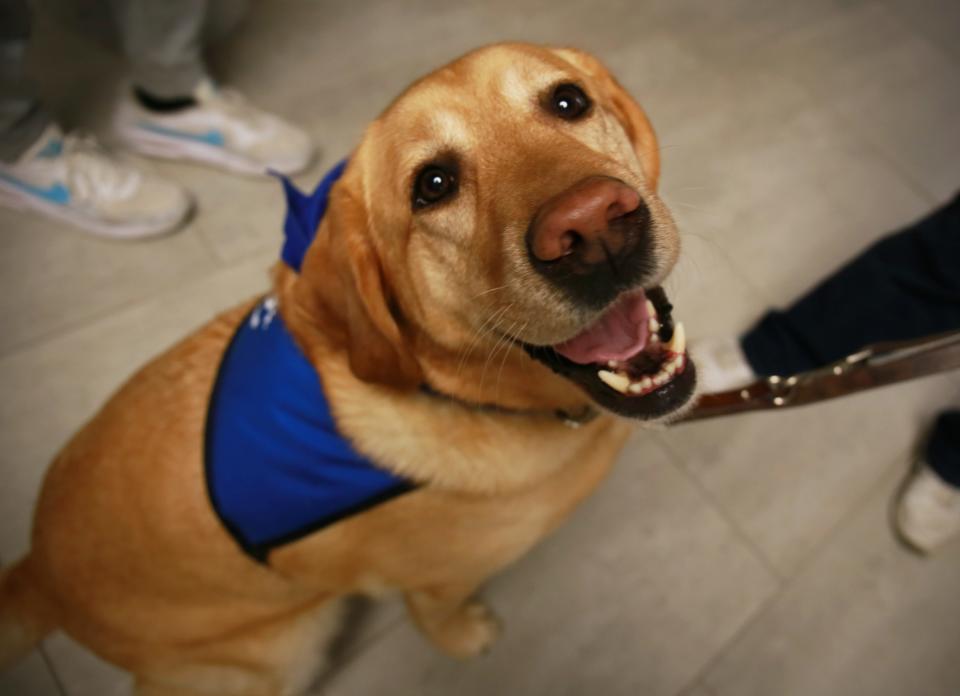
point(499, 216)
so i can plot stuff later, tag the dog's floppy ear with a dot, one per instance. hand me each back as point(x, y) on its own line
point(347, 279)
point(628, 112)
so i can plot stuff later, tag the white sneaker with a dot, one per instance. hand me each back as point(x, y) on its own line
point(74, 179)
point(928, 512)
point(223, 129)
point(721, 364)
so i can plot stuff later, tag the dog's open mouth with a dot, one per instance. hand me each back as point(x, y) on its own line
point(632, 360)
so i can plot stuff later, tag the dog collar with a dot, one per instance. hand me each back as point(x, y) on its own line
point(571, 419)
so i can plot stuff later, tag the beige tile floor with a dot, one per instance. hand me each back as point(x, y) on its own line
point(732, 558)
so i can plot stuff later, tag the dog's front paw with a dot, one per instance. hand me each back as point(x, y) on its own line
point(469, 632)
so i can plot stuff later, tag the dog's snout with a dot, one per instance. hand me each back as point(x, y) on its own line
point(577, 222)
point(592, 239)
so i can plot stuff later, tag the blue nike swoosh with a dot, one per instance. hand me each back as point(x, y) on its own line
point(56, 193)
point(211, 137)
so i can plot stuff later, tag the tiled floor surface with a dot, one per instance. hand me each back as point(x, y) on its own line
point(732, 558)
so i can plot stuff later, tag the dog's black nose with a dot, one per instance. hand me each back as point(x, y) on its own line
point(592, 240)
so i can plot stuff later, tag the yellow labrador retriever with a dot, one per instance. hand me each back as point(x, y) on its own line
point(482, 305)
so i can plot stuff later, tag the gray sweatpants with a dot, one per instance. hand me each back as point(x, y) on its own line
point(162, 41)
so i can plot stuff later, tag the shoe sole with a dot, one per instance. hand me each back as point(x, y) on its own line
point(11, 197)
point(157, 145)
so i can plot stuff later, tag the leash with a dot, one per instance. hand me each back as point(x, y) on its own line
point(877, 365)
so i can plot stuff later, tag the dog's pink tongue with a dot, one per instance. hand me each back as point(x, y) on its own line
point(619, 334)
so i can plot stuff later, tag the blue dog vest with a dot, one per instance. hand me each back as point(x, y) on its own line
point(277, 469)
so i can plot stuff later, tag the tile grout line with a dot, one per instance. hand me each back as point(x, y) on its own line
point(48, 661)
point(734, 525)
point(700, 677)
point(218, 263)
point(907, 179)
point(915, 187)
point(815, 553)
point(856, 135)
point(222, 262)
point(697, 688)
point(352, 655)
point(920, 31)
point(781, 582)
point(854, 509)
point(849, 129)
point(209, 246)
point(73, 327)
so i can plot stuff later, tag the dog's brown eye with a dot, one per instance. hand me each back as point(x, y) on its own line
point(433, 184)
point(569, 102)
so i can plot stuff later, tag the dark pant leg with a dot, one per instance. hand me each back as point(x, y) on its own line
point(905, 286)
point(223, 18)
point(943, 450)
point(22, 117)
point(164, 40)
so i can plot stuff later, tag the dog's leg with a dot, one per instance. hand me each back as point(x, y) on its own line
point(25, 615)
point(453, 620)
point(209, 680)
point(145, 686)
point(280, 659)
point(212, 680)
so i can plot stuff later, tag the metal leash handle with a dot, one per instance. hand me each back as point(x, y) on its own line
point(875, 366)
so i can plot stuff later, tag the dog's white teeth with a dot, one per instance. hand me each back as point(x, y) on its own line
point(678, 342)
point(653, 325)
point(644, 385)
point(615, 380)
point(651, 310)
point(674, 362)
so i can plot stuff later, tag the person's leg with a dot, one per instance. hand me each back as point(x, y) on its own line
point(943, 450)
point(164, 40)
point(177, 111)
point(904, 286)
point(66, 178)
point(223, 18)
point(22, 118)
point(163, 43)
point(928, 513)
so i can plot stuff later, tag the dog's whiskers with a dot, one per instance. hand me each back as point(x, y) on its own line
point(506, 354)
point(485, 328)
point(489, 290)
point(504, 337)
point(465, 352)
